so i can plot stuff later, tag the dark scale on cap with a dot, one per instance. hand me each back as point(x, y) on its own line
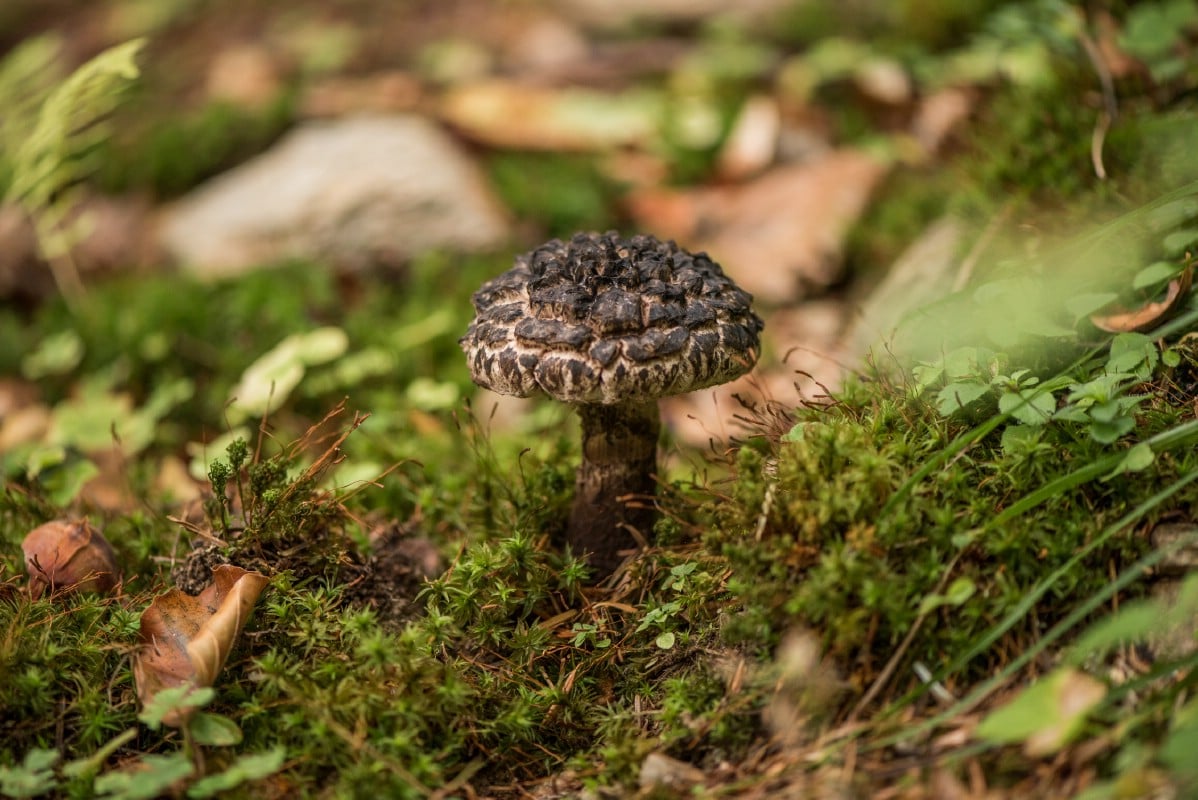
point(600, 319)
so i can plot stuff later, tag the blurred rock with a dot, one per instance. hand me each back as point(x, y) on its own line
point(923, 273)
point(359, 192)
point(779, 236)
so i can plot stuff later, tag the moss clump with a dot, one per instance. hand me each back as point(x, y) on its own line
point(853, 541)
point(169, 154)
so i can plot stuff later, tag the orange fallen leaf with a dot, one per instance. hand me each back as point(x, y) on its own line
point(69, 555)
point(1149, 315)
point(186, 640)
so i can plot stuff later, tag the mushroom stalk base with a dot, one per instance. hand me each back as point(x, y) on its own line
point(615, 487)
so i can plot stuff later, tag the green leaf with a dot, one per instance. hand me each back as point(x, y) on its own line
point(957, 593)
point(925, 375)
point(665, 641)
point(1138, 458)
point(795, 434)
point(1019, 438)
point(156, 775)
point(1029, 406)
point(955, 396)
point(34, 776)
point(1134, 353)
point(1153, 274)
point(63, 475)
point(249, 767)
point(1109, 432)
point(1152, 29)
point(214, 729)
point(1179, 242)
point(966, 362)
point(1171, 358)
point(56, 354)
point(1131, 623)
point(1106, 411)
point(1046, 715)
point(427, 394)
point(176, 699)
point(269, 381)
point(1180, 745)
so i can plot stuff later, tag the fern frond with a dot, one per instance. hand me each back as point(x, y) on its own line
point(49, 158)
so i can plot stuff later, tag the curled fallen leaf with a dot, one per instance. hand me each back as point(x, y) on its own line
point(1149, 315)
point(185, 639)
point(69, 555)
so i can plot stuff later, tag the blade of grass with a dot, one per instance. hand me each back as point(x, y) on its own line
point(986, 687)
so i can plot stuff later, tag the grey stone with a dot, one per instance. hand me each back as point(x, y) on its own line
point(922, 274)
point(356, 192)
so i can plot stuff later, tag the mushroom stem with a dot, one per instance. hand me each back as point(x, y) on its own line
point(614, 490)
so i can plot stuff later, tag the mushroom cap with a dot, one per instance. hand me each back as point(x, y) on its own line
point(606, 320)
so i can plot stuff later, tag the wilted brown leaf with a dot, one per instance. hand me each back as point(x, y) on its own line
point(186, 639)
point(1149, 315)
point(71, 556)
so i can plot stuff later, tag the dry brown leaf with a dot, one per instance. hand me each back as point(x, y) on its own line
point(185, 639)
point(1149, 315)
point(69, 556)
point(777, 235)
point(515, 115)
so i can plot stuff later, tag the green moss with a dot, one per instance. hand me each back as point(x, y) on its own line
point(559, 194)
point(167, 153)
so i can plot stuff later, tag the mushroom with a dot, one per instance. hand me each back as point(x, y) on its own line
point(609, 325)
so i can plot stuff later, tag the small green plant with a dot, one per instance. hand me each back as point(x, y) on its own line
point(1155, 32)
point(49, 155)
